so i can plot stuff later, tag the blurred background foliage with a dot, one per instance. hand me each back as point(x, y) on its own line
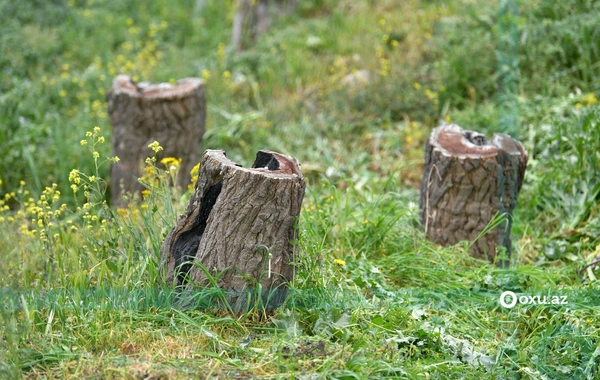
point(350, 88)
point(334, 77)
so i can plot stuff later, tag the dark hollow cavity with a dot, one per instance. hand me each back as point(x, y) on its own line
point(475, 138)
point(186, 246)
point(265, 160)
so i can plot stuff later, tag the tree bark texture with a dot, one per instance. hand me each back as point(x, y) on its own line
point(467, 180)
point(240, 226)
point(141, 113)
point(252, 19)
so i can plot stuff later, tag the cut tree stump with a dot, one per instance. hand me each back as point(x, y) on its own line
point(252, 20)
point(142, 113)
point(240, 222)
point(467, 180)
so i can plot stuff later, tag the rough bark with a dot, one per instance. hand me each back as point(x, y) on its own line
point(142, 113)
point(240, 222)
point(252, 19)
point(467, 180)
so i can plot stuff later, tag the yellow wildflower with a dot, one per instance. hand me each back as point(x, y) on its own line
point(170, 161)
point(74, 176)
point(589, 99)
point(194, 171)
point(155, 146)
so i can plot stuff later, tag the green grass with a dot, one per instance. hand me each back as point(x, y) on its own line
point(81, 289)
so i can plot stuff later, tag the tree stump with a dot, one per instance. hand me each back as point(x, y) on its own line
point(142, 113)
point(466, 181)
point(240, 222)
point(252, 20)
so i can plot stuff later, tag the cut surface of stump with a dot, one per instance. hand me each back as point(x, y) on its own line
point(173, 115)
point(467, 180)
point(240, 226)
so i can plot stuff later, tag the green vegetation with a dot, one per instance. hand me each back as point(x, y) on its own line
point(81, 291)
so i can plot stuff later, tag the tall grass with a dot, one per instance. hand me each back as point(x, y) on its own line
point(82, 292)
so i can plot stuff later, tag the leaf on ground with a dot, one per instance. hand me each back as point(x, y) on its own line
point(466, 352)
point(246, 341)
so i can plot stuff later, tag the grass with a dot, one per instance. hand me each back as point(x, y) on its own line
point(81, 289)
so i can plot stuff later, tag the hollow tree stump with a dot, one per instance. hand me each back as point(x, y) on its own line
point(240, 221)
point(466, 181)
point(142, 113)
